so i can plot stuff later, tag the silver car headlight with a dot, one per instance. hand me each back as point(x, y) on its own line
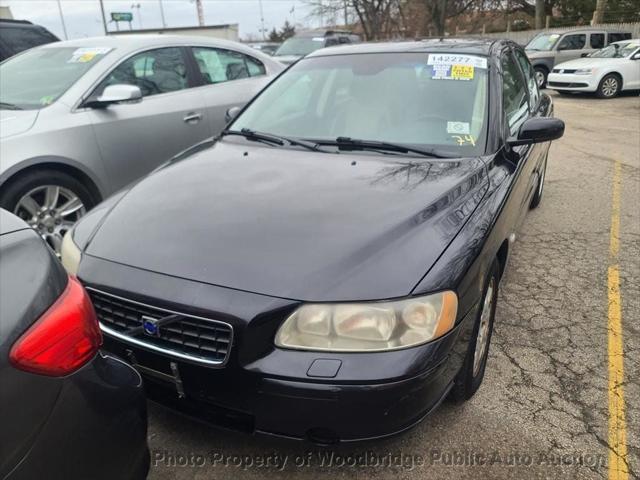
point(583, 71)
point(373, 326)
point(70, 254)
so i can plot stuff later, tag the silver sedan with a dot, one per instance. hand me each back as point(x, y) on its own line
point(81, 119)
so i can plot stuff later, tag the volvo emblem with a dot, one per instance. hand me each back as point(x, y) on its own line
point(150, 326)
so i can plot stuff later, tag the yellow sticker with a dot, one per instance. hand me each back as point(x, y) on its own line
point(46, 100)
point(86, 57)
point(464, 139)
point(462, 72)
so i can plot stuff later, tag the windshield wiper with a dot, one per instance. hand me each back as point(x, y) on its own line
point(9, 106)
point(348, 143)
point(271, 138)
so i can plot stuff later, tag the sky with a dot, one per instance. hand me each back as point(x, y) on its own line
point(83, 18)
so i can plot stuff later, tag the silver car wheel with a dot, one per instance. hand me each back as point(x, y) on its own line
point(539, 78)
point(482, 340)
point(51, 210)
point(609, 87)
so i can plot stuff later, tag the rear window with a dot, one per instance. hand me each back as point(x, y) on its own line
point(17, 39)
point(616, 37)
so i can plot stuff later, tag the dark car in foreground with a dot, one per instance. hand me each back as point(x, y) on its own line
point(328, 268)
point(67, 410)
point(19, 35)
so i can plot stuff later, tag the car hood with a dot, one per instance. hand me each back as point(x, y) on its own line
point(532, 54)
point(287, 59)
point(15, 122)
point(292, 223)
point(587, 63)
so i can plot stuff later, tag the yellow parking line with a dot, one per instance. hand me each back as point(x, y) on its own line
point(618, 468)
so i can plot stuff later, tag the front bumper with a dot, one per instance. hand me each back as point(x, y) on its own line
point(266, 390)
point(571, 82)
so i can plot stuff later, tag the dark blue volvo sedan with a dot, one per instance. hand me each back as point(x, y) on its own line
point(328, 267)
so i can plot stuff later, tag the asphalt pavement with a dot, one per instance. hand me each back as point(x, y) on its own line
point(555, 402)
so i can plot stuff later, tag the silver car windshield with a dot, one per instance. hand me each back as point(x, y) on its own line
point(419, 99)
point(543, 42)
point(37, 78)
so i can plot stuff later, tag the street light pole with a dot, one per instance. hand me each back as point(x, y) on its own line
point(64, 27)
point(164, 23)
point(104, 19)
point(264, 36)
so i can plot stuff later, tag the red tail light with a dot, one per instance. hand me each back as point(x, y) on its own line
point(66, 336)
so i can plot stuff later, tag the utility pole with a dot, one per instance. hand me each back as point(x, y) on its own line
point(64, 27)
point(264, 35)
point(104, 19)
point(200, 13)
point(164, 23)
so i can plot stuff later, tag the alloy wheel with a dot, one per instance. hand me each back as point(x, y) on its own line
point(539, 78)
point(482, 340)
point(609, 87)
point(51, 210)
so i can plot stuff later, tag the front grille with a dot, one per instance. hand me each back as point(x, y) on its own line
point(188, 337)
point(567, 84)
point(564, 70)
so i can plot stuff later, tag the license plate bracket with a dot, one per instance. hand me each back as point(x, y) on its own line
point(173, 378)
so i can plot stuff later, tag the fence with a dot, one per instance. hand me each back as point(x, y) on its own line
point(523, 37)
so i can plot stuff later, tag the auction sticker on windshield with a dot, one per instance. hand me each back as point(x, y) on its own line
point(86, 54)
point(455, 67)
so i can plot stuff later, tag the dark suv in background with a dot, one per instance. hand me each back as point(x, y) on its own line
point(19, 35)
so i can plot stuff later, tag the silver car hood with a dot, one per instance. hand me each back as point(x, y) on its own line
point(15, 122)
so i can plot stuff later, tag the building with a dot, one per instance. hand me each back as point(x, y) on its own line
point(5, 13)
point(226, 32)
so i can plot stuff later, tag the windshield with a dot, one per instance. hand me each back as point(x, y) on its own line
point(436, 100)
point(39, 77)
point(543, 42)
point(616, 50)
point(300, 46)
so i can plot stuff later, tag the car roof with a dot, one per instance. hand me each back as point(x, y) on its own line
point(135, 42)
point(584, 30)
point(9, 223)
point(471, 46)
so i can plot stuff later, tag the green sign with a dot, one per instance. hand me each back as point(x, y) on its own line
point(121, 16)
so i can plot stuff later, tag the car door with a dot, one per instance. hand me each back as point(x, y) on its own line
point(630, 71)
point(231, 78)
point(517, 109)
point(571, 46)
point(134, 138)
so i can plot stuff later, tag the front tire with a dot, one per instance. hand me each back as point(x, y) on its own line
point(609, 86)
point(50, 201)
point(541, 76)
point(470, 376)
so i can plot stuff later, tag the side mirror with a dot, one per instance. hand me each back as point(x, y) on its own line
point(117, 94)
point(232, 113)
point(538, 130)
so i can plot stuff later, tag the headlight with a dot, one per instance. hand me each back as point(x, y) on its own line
point(583, 71)
point(356, 327)
point(70, 254)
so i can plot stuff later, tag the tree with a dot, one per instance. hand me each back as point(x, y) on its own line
point(281, 35)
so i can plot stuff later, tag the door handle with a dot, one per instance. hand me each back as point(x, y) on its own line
point(192, 117)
